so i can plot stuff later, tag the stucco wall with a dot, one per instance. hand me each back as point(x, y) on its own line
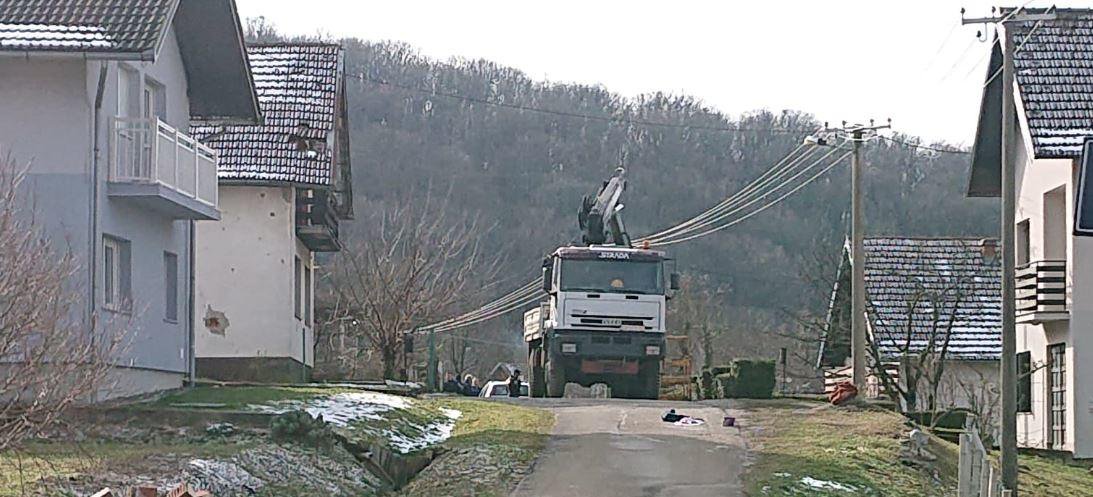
point(46, 117)
point(1035, 178)
point(245, 269)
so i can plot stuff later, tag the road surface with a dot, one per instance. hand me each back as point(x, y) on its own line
point(616, 448)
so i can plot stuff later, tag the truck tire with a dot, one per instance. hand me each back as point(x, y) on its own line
point(537, 375)
point(555, 377)
point(648, 380)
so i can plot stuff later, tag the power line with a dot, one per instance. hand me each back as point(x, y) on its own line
point(577, 115)
point(923, 147)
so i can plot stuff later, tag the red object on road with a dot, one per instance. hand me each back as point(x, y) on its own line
point(844, 392)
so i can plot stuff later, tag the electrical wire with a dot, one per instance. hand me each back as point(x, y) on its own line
point(680, 237)
point(761, 209)
point(734, 201)
point(922, 147)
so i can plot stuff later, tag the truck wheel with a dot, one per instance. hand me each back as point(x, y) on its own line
point(537, 377)
point(555, 378)
point(649, 380)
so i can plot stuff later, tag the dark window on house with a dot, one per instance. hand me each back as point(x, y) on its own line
point(1022, 236)
point(117, 290)
point(297, 283)
point(307, 295)
point(1056, 364)
point(1024, 382)
point(170, 281)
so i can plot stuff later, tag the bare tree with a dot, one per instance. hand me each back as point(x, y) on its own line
point(412, 264)
point(50, 359)
point(918, 343)
point(698, 311)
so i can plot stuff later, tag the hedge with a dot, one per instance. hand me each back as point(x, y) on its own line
point(745, 379)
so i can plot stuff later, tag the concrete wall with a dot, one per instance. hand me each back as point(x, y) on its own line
point(1039, 181)
point(245, 270)
point(47, 118)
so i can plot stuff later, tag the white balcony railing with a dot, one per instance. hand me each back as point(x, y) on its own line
point(149, 151)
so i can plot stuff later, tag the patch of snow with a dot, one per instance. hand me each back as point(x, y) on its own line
point(340, 409)
point(827, 485)
point(431, 434)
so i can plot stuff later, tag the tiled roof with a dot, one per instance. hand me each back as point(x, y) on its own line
point(1054, 70)
point(907, 278)
point(108, 26)
point(297, 87)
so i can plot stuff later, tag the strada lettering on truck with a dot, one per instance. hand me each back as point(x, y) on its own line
point(615, 255)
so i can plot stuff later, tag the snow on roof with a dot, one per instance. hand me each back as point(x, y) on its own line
point(907, 278)
point(122, 26)
point(297, 85)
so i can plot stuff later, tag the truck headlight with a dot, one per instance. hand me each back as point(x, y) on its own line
point(569, 348)
point(652, 350)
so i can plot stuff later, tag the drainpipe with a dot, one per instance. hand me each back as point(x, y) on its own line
point(191, 360)
point(93, 208)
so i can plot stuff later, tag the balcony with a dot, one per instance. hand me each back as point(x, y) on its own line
point(157, 167)
point(1041, 292)
point(316, 222)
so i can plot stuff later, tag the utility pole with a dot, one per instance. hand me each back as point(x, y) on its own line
point(431, 375)
point(1008, 367)
point(858, 134)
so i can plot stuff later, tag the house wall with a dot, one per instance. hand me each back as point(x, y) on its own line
point(252, 247)
point(1038, 180)
point(47, 117)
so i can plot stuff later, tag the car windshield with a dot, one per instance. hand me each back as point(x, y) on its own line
point(611, 276)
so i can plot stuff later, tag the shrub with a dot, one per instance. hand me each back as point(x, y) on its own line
point(299, 427)
point(746, 379)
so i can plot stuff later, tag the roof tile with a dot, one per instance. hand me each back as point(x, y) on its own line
point(108, 26)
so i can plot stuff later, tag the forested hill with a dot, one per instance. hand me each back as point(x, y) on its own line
point(524, 171)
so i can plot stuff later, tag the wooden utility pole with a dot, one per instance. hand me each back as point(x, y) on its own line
point(1008, 367)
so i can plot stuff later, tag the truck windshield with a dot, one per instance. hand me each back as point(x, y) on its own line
point(611, 276)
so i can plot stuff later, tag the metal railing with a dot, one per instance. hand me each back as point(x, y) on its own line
point(1041, 287)
point(151, 151)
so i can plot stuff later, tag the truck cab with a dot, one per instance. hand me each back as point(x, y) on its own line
point(603, 321)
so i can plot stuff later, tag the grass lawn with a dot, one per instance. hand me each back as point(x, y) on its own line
point(491, 449)
point(239, 397)
point(811, 448)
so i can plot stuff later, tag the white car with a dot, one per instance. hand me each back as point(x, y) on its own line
point(501, 389)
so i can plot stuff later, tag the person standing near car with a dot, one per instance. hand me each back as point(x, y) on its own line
point(514, 383)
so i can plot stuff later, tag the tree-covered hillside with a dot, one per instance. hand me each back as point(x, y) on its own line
point(515, 153)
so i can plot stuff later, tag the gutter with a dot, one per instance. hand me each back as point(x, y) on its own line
point(191, 360)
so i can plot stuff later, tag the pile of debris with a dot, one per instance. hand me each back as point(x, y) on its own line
point(180, 491)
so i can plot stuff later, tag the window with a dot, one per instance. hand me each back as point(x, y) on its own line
point(170, 282)
point(116, 276)
point(1056, 363)
point(307, 295)
point(1024, 382)
point(297, 283)
point(1022, 239)
point(155, 100)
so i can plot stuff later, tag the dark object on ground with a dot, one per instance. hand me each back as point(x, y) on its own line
point(452, 386)
point(844, 392)
point(672, 416)
point(729, 421)
point(471, 390)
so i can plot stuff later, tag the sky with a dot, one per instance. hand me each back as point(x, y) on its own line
point(909, 61)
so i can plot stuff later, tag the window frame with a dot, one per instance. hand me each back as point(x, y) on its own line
point(297, 307)
point(1057, 393)
point(117, 274)
point(308, 282)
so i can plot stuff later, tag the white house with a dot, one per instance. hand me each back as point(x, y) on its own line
point(1054, 115)
point(98, 97)
point(938, 296)
point(285, 184)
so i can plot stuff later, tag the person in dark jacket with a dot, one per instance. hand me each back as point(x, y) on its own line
point(514, 383)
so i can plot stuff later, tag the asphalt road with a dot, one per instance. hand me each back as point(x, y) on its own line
point(616, 448)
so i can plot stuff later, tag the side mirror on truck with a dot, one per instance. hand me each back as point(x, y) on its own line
point(548, 275)
point(673, 281)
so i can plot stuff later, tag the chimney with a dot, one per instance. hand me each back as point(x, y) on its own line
point(989, 248)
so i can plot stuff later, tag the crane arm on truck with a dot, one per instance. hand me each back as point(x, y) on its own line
point(600, 216)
